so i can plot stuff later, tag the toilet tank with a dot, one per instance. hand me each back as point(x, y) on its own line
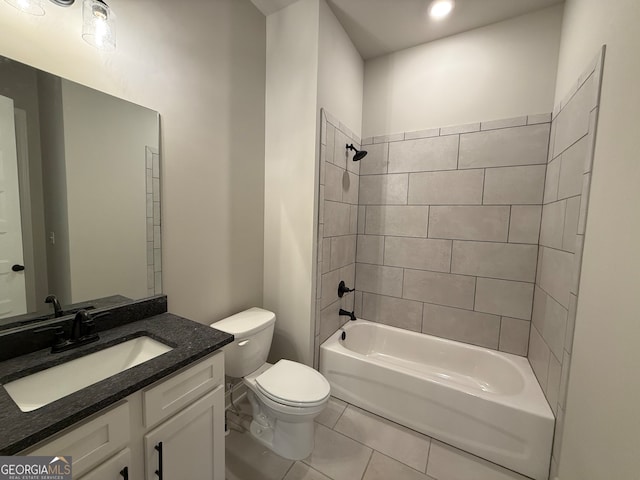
point(253, 332)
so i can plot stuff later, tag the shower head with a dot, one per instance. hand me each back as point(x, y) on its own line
point(360, 154)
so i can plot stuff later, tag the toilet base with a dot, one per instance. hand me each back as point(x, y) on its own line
point(290, 440)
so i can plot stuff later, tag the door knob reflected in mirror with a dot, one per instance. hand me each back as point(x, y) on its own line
point(17, 268)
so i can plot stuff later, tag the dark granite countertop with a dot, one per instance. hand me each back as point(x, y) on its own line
point(19, 430)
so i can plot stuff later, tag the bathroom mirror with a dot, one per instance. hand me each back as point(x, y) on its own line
point(79, 196)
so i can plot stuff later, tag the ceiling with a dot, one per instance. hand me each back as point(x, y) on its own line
point(378, 27)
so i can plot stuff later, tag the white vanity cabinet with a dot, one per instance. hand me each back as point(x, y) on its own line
point(171, 430)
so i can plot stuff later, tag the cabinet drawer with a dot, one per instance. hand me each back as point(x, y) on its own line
point(113, 469)
point(92, 442)
point(173, 394)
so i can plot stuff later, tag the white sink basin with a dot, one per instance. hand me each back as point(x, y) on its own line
point(42, 388)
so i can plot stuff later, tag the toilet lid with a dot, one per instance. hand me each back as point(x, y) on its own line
point(293, 383)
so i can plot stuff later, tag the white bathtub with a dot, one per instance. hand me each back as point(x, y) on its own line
point(485, 402)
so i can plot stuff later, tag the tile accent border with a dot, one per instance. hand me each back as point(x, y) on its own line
point(154, 234)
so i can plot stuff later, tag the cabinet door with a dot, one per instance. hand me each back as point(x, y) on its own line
point(115, 469)
point(190, 445)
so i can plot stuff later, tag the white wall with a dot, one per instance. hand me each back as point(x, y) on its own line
point(602, 421)
point(202, 67)
point(290, 169)
point(105, 140)
point(503, 70)
point(340, 72)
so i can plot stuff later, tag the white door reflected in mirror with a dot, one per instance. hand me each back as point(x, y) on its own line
point(13, 299)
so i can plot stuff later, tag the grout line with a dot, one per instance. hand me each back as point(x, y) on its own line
point(478, 167)
point(368, 462)
point(426, 467)
point(458, 152)
point(289, 469)
point(484, 180)
point(509, 225)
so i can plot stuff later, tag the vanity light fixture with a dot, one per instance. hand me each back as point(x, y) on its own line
point(440, 8)
point(98, 20)
point(32, 7)
point(98, 25)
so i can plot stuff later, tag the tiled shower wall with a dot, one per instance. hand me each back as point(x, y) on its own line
point(448, 228)
point(337, 226)
point(561, 240)
point(154, 237)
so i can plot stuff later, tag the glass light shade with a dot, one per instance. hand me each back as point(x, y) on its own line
point(33, 7)
point(98, 25)
point(440, 8)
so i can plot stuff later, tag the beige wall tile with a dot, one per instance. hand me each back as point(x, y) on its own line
point(384, 189)
point(377, 159)
point(456, 187)
point(333, 183)
point(350, 187)
point(584, 203)
point(418, 253)
point(538, 356)
point(336, 219)
point(508, 261)
point(340, 150)
point(330, 283)
point(553, 382)
point(514, 185)
point(379, 279)
point(571, 224)
point(554, 326)
point(329, 321)
point(430, 132)
point(400, 443)
point(551, 181)
point(503, 297)
point(370, 249)
point(424, 154)
point(571, 322)
point(469, 223)
point(572, 169)
point(524, 225)
point(407, 221)
point(396, 312)
point(539, 118)
point(461, 325)
point(573, 120)
point(505, 123)
point(439, 288)
point(552, 227)
point(514, 336)
point(556, 271)
point(505, 147)
point(457, 129)
point(343, 251)
point(361, 219)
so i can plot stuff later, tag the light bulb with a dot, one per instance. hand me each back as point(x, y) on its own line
point(440, 8)
point(32, 7)
point(98, 26)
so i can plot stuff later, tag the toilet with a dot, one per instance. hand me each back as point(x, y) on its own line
point(285, 397)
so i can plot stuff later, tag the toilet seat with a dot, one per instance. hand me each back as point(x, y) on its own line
point(293, 384)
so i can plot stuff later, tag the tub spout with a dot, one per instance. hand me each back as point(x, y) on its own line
point(351, 315)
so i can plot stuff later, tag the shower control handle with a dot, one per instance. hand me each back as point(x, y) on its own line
point(342, 289)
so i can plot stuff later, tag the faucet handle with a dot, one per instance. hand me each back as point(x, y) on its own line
point(58, 331)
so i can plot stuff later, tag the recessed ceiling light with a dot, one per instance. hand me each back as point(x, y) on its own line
point(440, 8)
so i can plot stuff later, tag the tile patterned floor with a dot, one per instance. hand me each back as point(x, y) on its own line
point(352, 444)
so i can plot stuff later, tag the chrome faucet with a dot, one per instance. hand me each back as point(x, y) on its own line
point(57, 309)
